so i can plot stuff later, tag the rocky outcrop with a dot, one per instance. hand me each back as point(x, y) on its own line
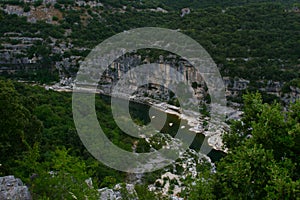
point(185, 11)
point(13, 188)
point(119, 192)
point(125, 64)
point(172, 182)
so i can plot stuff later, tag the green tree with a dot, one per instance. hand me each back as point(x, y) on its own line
point(244, 173)
point(203, 187)
point(263, 165)
point(143, 193)
point(19, 128)
point(240, 130)
point(263, 157)
point(63, 177)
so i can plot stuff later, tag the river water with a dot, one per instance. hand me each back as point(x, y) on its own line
point(141, 111)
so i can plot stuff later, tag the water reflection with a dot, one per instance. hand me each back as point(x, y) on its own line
point(140, 114)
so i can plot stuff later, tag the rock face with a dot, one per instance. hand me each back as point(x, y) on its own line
point(125, 64)
point(117, 194)
point(13, 188)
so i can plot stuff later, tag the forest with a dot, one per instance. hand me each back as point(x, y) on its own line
point(38, 136)
point(257, 40)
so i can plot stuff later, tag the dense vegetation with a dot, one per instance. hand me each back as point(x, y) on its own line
point(263, 158)
point(38, 137)
point(253, 39)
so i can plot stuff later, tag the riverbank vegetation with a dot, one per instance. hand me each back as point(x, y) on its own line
point(257, 40)
point(263, 158)
point(40, 145)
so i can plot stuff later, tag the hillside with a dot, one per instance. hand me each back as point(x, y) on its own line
point(254, 154)
point(255, 41)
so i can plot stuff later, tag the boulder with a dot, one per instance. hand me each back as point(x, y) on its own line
point(13, 188)
point(117, 194)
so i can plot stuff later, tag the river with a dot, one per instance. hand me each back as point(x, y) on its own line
point(141, 111)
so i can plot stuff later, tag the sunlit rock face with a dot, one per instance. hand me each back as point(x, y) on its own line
point(13, 188)
point(125, 65)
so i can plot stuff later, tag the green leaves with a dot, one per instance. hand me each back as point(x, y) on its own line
point(244, 172)
point(63, 177)
point(265, 165)
point(262, 163)
point(18, 127)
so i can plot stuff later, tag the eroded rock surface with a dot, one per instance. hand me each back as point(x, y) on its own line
point(13, 188)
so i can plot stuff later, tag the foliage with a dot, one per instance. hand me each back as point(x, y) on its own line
point(19, 128)
point(36, 128)
point(255, 40)
point(63, 178)
point(143, 193)
point(293, 83)
point(203, 187)
point(261, 162)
